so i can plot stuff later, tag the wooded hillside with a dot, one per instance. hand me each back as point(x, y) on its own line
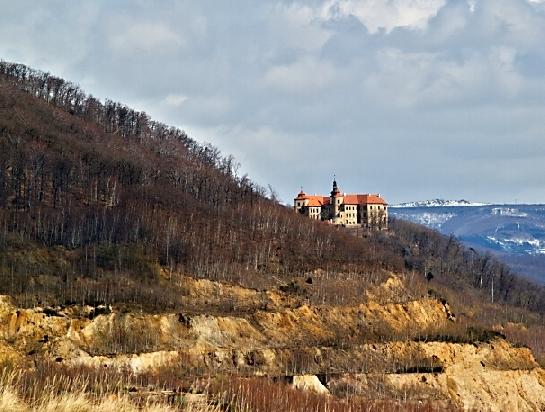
point(99, 203)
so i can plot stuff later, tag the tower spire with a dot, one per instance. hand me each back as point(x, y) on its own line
point(335, 190)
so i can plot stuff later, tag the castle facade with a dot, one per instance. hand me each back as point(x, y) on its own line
point(350, 210)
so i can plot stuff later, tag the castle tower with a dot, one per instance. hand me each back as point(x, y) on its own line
point(300, 202)
point(335, 202)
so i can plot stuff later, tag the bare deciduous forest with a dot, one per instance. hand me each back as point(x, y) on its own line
point(101, 205)
point(95, 193)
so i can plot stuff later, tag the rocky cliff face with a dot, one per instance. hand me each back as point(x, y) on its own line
point(365, 349)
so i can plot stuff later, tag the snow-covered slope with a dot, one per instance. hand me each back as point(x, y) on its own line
point(430, 219)
point(515, 233)
point(440, 203)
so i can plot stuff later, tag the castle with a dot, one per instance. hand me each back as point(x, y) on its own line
point(367, 210)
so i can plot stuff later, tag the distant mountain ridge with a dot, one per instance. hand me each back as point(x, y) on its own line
point(514, 233)
point(440, 203)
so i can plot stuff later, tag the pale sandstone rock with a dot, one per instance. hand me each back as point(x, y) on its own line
point(309, 383)
point(488, 377)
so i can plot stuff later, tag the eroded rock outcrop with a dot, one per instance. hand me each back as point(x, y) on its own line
point(358, 349)
point(309, 383)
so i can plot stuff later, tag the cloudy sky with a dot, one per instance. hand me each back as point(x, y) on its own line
point(414, 99)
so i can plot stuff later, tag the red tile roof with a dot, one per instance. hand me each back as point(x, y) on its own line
point(318, 200)
point(366, 199)
point(363, 200)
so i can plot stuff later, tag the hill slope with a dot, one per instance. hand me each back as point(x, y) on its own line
point(514, 233)
point(112, 223)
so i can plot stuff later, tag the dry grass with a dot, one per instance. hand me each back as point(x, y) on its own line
point(23, 391)
point(264, 395)
point(9, 400)
point(532, 337)
point(53, 388)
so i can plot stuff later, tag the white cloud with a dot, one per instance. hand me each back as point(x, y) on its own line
point(380, 14)
point(298, 26)
point(307, 75)
point(175, 99)
point(425, 80)
point(145, 37)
